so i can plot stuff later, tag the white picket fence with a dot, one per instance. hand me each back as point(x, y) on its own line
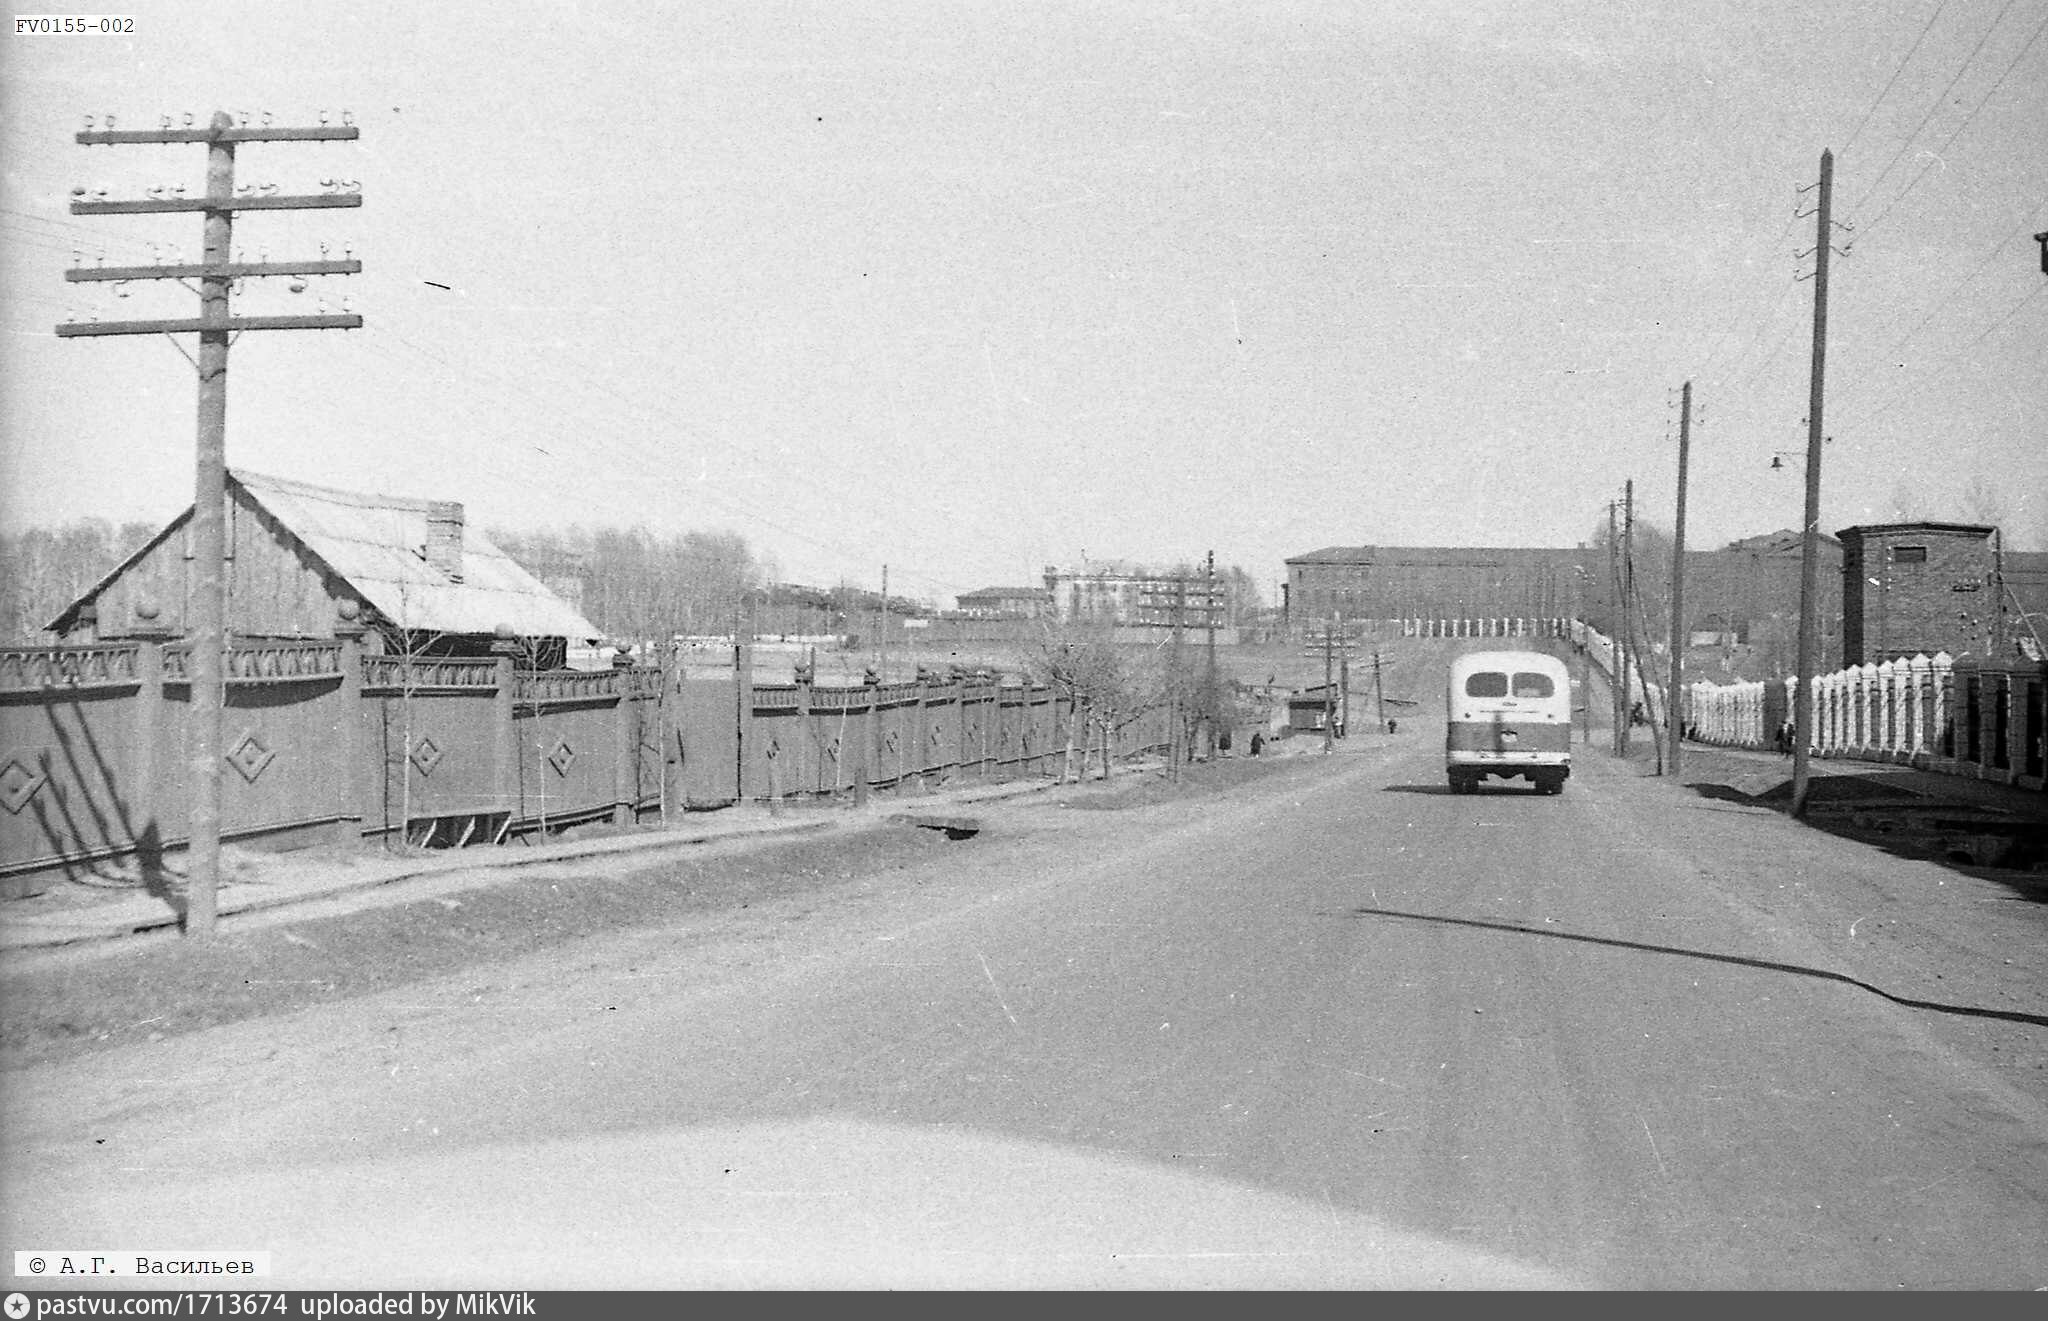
point(1491, 626)
point(1603, 652)
point(1955, 717)
point(1894, 710)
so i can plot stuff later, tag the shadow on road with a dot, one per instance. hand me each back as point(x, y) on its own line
point(1974, 841)
point(1504, 789)
point(1962, 1011)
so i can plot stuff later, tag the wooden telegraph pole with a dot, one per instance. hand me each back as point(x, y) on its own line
point(1674, 723)
point(1213, 704)
point(1617, 671)
point(1379, 694)
point(1809, 551)
point(1632, 613)
point(1176, 751)
point(1329, 683)
point(216, 323)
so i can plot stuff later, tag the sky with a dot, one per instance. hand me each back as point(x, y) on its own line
point(969, 289)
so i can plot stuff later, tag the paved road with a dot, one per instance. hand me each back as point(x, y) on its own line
point(1343, 1030)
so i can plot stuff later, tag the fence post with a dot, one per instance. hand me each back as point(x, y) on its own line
point(1892, 687)
point(505, 774)
point(805, 780)
point(959, 725)
point(924, 746)
point(149, 727)
point(348, 737)
point(1941, 728)
point(626, 746)
point(666, 725)
point(865, 763)
point(1914, 731)
point(743, 715)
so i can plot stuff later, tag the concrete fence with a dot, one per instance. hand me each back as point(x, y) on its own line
point(1981, 719)
point(321, 742)
point(1984, 720)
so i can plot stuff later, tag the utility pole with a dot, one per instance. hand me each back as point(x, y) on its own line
point(1809, 554)
point(1628, 605)
point(1379, 695)
point(1329, 684)
point(1212, 703)
point(1175, 750)
point(1344, 684)
point(1617, 673)
point(1632, 613)
point(1675, 726)
point(882, 633)
point(206, 610)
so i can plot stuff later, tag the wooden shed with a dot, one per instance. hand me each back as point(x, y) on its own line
point(1307, 708)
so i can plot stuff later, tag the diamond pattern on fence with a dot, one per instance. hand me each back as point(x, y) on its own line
point(19, 781)
point(427, 754)
point(249, 755)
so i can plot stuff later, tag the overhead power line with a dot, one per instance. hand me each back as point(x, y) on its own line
point(1935, 106)
point(1893, 80)
point(1935, 157)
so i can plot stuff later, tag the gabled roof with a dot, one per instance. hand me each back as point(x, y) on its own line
point(1785, 541)
point(986, 593)
point(376, 545)
point(1333, 555)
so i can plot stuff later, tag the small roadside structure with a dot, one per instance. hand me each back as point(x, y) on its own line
point(1307, 708)
point(310, 563)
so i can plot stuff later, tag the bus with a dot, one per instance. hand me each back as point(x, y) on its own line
point(1509, 714)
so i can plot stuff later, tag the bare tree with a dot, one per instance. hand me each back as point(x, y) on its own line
point(1907, 504)
point(1108, 687)
point(44, 569)
point(634, 584)
point(1985, 503)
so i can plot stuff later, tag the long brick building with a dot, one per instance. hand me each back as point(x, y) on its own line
point(1885, 589)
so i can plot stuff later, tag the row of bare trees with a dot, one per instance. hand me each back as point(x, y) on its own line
point(44, 569)
point(1111, 685)
point(633, 583)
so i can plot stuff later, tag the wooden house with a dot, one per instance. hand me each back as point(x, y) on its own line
point(310, 562)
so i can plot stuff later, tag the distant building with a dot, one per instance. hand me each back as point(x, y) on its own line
point(1005, 603)
point(1117, 592)
point(307, 562)
point(1747, 592)
point(1744, 593)
point(1409, 582)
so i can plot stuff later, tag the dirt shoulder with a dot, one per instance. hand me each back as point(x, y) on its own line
point(743, 890)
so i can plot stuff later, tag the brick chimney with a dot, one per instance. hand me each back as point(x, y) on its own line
point(444, 537)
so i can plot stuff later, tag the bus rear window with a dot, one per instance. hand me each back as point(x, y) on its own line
point(1486, 683)
point(1533, 685)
